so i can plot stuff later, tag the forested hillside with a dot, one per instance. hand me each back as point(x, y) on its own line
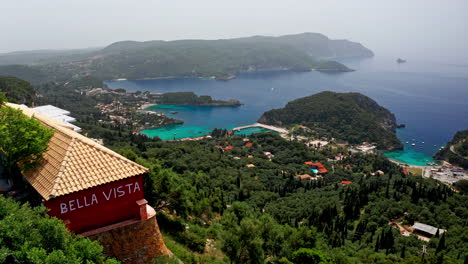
point(17, 90)
point(456, 151)
point(345, 116)
point(187, 58)
point(213, 208)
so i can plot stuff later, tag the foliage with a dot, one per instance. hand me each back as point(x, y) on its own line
point(310, 256)
point(185, 58)
point(346, 116)
point(456, 151)
point(264, 214)
point(29, 236)
point(22, 139)
point(17, 90)
point(190, 98)
point(462, 186)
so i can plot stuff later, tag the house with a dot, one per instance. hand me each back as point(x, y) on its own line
point(228, 148)
point(248, 144)
point(316, 167)
point(96, 192)
point(346, 182)
point(307, 177)
point(365, 147)
point(268, 155)
point(58, 114)
point(82, 182)
point(250, 165)
point(426, 230)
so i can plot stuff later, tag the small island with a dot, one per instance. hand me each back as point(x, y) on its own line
point(190, 98)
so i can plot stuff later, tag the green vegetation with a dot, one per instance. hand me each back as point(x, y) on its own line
point(186, 58)
point(190, 98)
point(17, 90)
point(265, 215)
point(29, 236)
point(22, 140)
point(456, 151)
point(344, 116)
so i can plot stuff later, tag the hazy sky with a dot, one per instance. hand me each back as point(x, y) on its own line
point(406, 28)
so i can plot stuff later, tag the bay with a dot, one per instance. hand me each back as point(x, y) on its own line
point(430, 98)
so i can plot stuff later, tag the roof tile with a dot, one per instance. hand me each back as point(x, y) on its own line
point(74, 162)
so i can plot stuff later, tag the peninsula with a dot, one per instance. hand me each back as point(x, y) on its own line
point(353, 117)
point(222, 59)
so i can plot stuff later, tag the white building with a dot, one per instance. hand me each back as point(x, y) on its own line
point(58, 114)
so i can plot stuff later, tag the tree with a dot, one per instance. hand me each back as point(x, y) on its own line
point(310, 256)
point(22, 140)
point(441, 245)
point(29, 236)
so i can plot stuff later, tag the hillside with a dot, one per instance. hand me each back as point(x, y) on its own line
point(222, 58)
point(456, 151)
point(346, 116)
point(17, 90)
point(190, 98)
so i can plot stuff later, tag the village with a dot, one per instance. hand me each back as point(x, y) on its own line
point(117, 107)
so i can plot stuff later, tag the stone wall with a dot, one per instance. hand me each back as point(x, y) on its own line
point(136, 242)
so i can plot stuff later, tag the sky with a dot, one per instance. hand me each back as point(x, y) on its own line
point(401, 28)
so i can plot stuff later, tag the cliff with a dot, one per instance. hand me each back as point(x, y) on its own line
point(347, 116)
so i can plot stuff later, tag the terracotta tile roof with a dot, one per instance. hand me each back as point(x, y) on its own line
point(74, 162)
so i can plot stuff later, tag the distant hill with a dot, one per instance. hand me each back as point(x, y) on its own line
point(346, 116)
point(17, 90)
point(222, 58)
point(456, 151)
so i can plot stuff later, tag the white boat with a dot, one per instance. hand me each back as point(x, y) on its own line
point(407, 142)
point(413, 144)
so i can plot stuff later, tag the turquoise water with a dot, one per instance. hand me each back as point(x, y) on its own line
point(199, 121)
point(430, 98)
point(253, 130)
point(410, 156)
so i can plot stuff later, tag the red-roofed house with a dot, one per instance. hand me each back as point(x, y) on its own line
point(228, 148)
point(346, 182)
point(248, 144)
point(316, 166)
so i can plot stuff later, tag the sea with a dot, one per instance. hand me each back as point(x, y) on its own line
point(430, 98)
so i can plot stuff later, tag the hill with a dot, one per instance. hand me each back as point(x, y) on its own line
point(456, 151)
point(222, 58)
point(346, 116)
point(17, 90)
point(190, 98)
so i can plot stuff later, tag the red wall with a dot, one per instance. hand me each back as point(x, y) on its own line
point(99, 206)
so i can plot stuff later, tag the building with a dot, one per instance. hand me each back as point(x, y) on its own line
point(316, 167)
point(426, 230)
point(346, 182)
point(96, 192)
point(58, 114)
point(366, 147)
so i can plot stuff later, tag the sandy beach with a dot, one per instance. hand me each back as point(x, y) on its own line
point(144, 106)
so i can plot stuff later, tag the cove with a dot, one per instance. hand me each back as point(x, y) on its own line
point(429, 98)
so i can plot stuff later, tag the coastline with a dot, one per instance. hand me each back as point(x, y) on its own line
point(145, 106)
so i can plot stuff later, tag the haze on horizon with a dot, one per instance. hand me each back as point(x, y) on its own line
point(417, 28)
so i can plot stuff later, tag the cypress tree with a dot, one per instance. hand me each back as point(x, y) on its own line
point(441, 245)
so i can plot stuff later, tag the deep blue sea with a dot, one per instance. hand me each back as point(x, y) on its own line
point(430, 98)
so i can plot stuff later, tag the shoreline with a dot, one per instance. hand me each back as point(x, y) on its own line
point(145, 106)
